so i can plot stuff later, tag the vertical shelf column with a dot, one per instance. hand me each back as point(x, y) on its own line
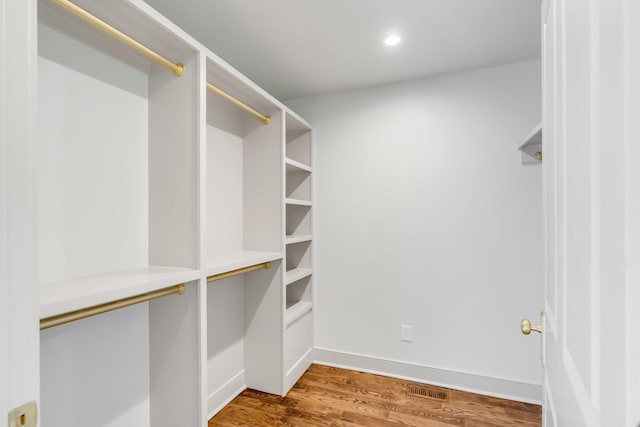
point(174, 325)
point(298, 241)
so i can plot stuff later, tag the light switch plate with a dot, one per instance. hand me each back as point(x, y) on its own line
point(24, 416)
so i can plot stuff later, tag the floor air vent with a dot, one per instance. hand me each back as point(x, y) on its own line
point(428, 392)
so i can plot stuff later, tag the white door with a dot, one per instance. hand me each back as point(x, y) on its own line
point(19, 333)
point(591, 172)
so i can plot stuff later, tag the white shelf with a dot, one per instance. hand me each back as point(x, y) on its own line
point(532, 145)
point(296, 274)
point(75, 294)
point(297, 202)
point(296, 311)
point(235, 260)
point(294, 166)
point(297, 238)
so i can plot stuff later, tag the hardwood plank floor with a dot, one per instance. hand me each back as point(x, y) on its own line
point(327, 396)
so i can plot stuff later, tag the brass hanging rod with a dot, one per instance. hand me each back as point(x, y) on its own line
point(177, 69)
point(265, 265)
point(72, 316)
point(265, 119)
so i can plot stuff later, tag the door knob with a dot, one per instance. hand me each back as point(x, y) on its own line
point(526, 327)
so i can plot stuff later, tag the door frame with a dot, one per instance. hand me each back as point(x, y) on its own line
point(19, 304)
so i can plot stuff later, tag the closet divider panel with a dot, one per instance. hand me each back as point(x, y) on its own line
point(263, 231)
point(203, 291)
point(173, 165)
point(262, 186)
point(263, 357)
point(174, 360)
point(174, 325)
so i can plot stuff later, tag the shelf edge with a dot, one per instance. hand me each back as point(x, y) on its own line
point(296, 311)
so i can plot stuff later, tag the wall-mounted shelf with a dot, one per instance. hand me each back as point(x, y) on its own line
point(297, 202)
point(289, 240)
point(293, 166)
point(240, 259)
point(531, 148)
point(79, 293)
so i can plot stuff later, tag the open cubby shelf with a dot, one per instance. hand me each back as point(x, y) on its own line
point(293, 166)
point(296, 274)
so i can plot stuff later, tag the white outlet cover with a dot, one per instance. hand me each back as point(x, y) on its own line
point(405, 333)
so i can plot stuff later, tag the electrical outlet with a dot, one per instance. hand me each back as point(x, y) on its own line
point(405, 333)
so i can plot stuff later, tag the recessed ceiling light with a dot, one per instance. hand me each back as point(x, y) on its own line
point(392, 40)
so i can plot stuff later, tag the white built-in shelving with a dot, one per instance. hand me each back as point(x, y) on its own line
point(531, 148)
point(145, 180)
point(298, 242)
point(116, 184)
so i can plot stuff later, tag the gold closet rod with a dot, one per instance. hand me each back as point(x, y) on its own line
point(265, 265)
point(72, 316)
point(265, 119)
point(177, 69)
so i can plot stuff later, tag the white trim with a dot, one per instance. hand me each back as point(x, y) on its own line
point(551, 407)
point(298, 369)
point(595, 273)
point(464, 381)
point(226, 393)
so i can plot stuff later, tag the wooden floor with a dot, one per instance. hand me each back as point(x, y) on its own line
point(327, 396)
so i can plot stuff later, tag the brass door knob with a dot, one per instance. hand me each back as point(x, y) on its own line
point(526, 327)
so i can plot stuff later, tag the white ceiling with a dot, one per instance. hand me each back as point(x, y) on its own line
point(296, 48)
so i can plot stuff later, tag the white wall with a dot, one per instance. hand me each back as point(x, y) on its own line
point(425, 216)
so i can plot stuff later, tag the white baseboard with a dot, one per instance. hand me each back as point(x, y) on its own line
point(497, 387)
point(226, 393)
point(301, 366)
